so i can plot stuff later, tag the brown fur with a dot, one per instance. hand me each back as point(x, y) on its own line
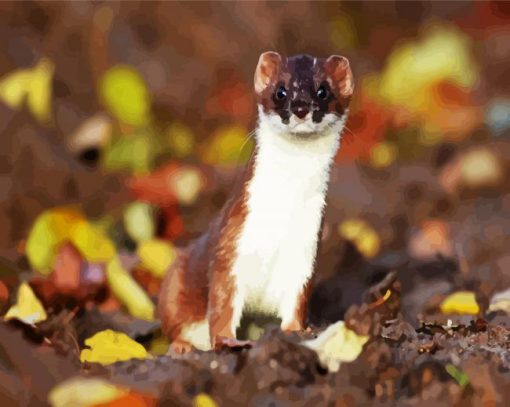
point(199, 285)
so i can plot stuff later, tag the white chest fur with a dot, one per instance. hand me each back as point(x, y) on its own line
point(277, 245)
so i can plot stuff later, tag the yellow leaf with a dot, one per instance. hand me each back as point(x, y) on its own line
point(461, 302)
point(32, 85)
point(55, 226)
point(139, 221)
point(362, 235)
point(84, 392)
point(481, 167)
point(159, 346)
point(186, 183)
point(337, 344)
point(156, 256)
point(125, 95)
point(129, 293)
point(383, 154)
point(27, 308)
point(39, 94)
point(442, 54)
point(181, 139)
point(203, 400)
point(49, 230)
point(13, 88)
point(92, 243)
point(107, 347)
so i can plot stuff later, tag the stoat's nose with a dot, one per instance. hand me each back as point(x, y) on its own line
point(300, 111)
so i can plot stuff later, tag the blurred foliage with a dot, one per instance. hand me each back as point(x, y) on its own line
point(125, 95)
point(31, 86)
point(228, 145)
point(180, 139)
point(56, 226)
point(84, 392)
point(139, 221)
point(156, 256)
point(362, 235)
point(129, 293)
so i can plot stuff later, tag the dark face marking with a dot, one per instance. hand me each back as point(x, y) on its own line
point(302, 84)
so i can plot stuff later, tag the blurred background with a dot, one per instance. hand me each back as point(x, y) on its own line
point(123, 126)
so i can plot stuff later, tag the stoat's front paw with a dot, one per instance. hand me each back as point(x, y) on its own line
point(179, 347)
point(222, 342)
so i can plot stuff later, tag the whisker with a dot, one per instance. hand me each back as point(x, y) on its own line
point(350, 131)
point(248, 138)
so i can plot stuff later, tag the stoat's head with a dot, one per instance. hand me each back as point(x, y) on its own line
point(303, 96)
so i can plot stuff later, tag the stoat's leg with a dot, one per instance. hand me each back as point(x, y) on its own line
point(293, 310)
point(180, 305)
point(225, 308)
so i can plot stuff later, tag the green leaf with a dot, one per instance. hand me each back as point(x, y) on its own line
point(457, 374)
point(125, 95)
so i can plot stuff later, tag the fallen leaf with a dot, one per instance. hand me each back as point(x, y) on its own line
point(39, 91)
point(460, 302)
point(476, 168)
point(139, 221)
point(84, 392)
point(157, 256)
point(55, 226)
point(125, 95)
point(500, 302)
point(49, 230)
point(204, 400)
point(135, 151)
point(337, 344)
point(128, 292)
point(27, 307)
point(107, 347)
point(155, 187)
point(67, 269)
point(186, 183)
point(89, 240)
point(32, 85)
point(461, 378)
point(159, 346)
point(480, 167)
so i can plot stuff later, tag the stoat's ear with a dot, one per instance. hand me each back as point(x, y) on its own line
point(340, 75)
point(267, 70)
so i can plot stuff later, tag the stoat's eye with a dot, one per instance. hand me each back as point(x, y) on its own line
point(281, 93)
point(322, 93)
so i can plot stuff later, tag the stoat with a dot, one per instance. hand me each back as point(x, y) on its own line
point(259, 253)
